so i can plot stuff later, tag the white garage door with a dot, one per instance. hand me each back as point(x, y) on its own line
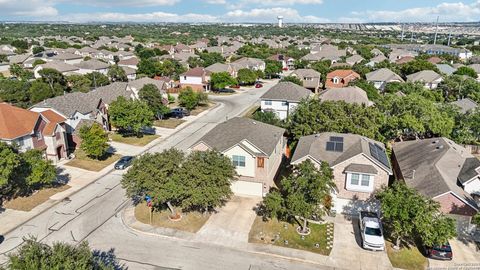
point(247, 188)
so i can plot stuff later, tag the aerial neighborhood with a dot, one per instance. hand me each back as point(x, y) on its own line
point(305, 145)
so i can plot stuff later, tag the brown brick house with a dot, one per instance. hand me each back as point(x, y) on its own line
point(340, 78)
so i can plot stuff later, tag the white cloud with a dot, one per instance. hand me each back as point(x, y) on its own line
point(446, 11)
point(216, 2)
point(133, 3)
point(270, 15)
point(27, 8)
point(138, 17)
point(284, 2)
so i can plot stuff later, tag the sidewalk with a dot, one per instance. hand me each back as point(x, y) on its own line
point(78, 178)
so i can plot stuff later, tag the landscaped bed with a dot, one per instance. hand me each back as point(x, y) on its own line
point(169, 123)
point(190, 222)
point(406, 258)
point(265, 232)
point(28, 203)
point(82, 161)
point(133, 140)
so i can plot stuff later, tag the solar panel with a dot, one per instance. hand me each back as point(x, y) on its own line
point(379, 154)
point(330, 146)
point(336, 139)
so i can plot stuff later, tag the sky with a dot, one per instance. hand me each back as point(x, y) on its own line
point(254, 11)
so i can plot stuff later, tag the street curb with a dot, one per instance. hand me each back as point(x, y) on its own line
point(129, 227)
point(107, 172)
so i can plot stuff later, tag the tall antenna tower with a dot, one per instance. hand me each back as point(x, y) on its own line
point(403, 31)
point(436, 33)
point(449, 37)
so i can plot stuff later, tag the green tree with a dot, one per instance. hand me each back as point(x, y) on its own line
point(40, 91)
point(416, 66)
point(37, 49)
point(303, 193)
point(9, 162)
point(292, 79)
point(94, 141)
point(152, 96)
point(468, 71)
point(272, 68)
point(211, 58)
point(157, 175)
point(311, 117)
point(33, 255)
point(116, 73)
point(467, 128)
point(79, 83)
point(372, 92)
point(130, 115)
point(38, 62)
point(41, 172)
point(97, 79)
point(207, 177)
point(189, 98)
point(246, 76)
point(221, 80)
point(194, 62)
point(268, 118)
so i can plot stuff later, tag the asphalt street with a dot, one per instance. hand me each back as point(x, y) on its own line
point(93, 214)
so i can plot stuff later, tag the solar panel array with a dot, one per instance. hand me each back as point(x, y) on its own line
point(379, 153)
point(335, 144)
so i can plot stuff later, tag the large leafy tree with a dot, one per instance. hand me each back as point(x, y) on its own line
point(303, 193)
point(221, 80)
point(117, 74)
point(191, 99)
point(94, 141)
point(157, 175)
point(130, 115)
point(468, 71)
point(372, 92)
point(53, 78)
point(33, 255)
point(272, 68)
point(312, 116)
point(207, 178)
point(79, 83)
point(409, 215)
point(246, 76)
point(292, 79)
point(9, 162)
point(41, 172)
point(416, 66)
point(40, 91)
point(456, 86)
point(467, 128)
point(152, 96)
point(268, 118)
point(97, 79)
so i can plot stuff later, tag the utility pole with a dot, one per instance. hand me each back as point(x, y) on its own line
point(436, 32)
point(449, 38)
point(402, 31)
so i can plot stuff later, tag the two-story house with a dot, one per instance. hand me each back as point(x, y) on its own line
point(381, 77)
point(360, 167)
point(340, 78)
point(196, 78)
point(309, 77)
point(255, 148)
point(283, 98)
point(429, 78)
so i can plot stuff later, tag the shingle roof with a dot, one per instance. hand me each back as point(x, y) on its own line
point(287, 91)
point(361, 168)
point(59, 66)
point(194, 72)
point(342, 73)
point(307, 72)
point(139, 83)
point(445, 68)
point(53, 119)
point(352, 94)
point(218, 67)
point(469, 169)
point(465, 104)
point(315, 147)
point(92, 64)
point(234, 131)
point(432, 166)
point(383, 75)
point(16, 122)
point(66, 56)
point(424, 76)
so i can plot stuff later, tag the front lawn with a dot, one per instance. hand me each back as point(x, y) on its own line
point(190, 222)
point(264, 232)
point(202, 107)
point(251, 111)
point(29, 202)
point(133, 140)
point(406, 258)
point(169, 123)
point(82, 161)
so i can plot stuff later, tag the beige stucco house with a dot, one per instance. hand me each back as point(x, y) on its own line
point(256, 150)
point(360, 167)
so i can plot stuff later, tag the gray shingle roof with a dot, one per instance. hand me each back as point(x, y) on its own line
point(59, 66)
point(287, 91)
point(139, 83)
point(424, 76)
point(465, 105)
point(361, 168)
point(350, 95)
point(92, 64)
point(446, 69)
point(433, 166)
point(236, 130)
point(469, 169)
point(353, 145)
point(307, 72)
point(383, 75)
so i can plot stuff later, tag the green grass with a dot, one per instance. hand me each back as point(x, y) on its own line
point(406, 258)
point(169, 123)
point(251, 111)
point(190, 222)
point(133, 140)
point(203, 107)
point(264, 232)
point(82, 161)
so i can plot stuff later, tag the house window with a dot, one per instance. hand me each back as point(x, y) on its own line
point(335, 80)
point(284, 103)
point(238, 161)
point(38, 134)
point(185, 77)
point(20, 142)
point(359, 182)
point(268, 102)
point(261, 162)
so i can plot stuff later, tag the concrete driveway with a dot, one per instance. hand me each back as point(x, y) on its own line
point(347, 252)
point(231, 224)
point(464, 253)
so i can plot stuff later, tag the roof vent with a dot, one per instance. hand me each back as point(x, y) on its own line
point(440, 147)
point(254, 122)
point(436, 141)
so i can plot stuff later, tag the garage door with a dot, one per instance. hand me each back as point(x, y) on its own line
point(247, 188)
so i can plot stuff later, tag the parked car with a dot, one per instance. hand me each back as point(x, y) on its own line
point(441, 252)
point(371, 231)
point(123, 163)
point(235, 86)
point(179, 112)
point(258, 85)
point(225, 90)
point(148, 130)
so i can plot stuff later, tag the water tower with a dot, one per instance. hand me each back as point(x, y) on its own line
point(280, 21)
